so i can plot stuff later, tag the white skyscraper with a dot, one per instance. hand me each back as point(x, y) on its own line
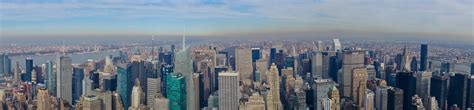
point(229, 93)
point(336, 45)
point(64, 78)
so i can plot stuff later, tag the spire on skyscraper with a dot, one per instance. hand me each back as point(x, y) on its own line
point(184, 37)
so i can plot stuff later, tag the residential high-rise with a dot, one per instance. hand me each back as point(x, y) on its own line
point(273, 96)
point(395, 99)
point(77, 77)
point(42, 100)
point(458, 90)
point(423, 83)
point(423, 57)
point(176, 92)
point(28, 68)
point(243, 61)
point(359, 81)
point(439, 89)
point(321, 88)
point(124, 83)
point(317, 65)
point(64, 78)
point(229, 93)
point(136, 96)
point(351, 60)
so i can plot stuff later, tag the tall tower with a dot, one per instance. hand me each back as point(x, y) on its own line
point(229, 93)
point(321, 87)
point(243, 61)
point(176, 92)
point(351, 60)
point(64, 78)
point(273, 96)
point(124, 83)
point(28, 68)
point(423, 57)
point(336, 45)
point(136, 96)
point(184, 66)
point(423, 83)
point(51, 83)
point(359, 81)
point(42, 100)
point(335, 99)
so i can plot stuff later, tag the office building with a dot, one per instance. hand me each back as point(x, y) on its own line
point(51, 78)
point(91, 102)
point(395, 99)
point(423, 57)
point(381, 97)
point(184, 66)
point(124, 83)
point(273, 96)
point(321, 88)
point(407, 82)
point(64, 78)
point(317, 65)
point(161, 103)
point(243, 61)
point(457, 94)
point(154, 88)
point(256, 54)
point(5, 64)
point(28, 68)
point(336, 45)
point(439, 89)
point(229, 91)
point(333, 94)
point(136, 96)
point(43, 100)
point(77, 77)
point(176, 92)
point(109, 82)
point(255, 102)
point(423, 83)
point(368, 100)
point(351, 60)
point(359, 81)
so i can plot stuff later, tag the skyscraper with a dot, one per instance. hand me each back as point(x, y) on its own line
point(176, 92)
point(423, 57)
point(273, 96)
point(184, 66)
point(243, 61)
point(368, 100)
point(351, 60)
point(414, 64)
point(256, 54)
point(395, 99)
point(229, 93)
point(336, 45)
point(407, 82)
point(381, 97)
point(5, 64)
point(423, 83)
point(64, 78)
point(458, 90)
point(43, 100)
point(91, 102)
point(321, 88)
point(161, 103)
point(317, 65)
point(439, 89)
point(124, 83)
point(51, 83)
point(28, 68)
point(154, 86)
point(136, 96)
point(359, 81)
point(335, 99)
point(77, 77)
point(255, 102)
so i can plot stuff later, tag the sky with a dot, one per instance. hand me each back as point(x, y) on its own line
point(421, 19)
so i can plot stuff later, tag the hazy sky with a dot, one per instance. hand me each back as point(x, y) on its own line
point(442, 19)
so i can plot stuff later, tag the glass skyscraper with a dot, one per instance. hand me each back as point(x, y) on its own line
point(176, 91)
point(423, 57)
point(256, 54)
point(28, 68)
point(77, 77)
point(124, 83)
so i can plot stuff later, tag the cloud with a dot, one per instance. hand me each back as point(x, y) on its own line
point(420, 16)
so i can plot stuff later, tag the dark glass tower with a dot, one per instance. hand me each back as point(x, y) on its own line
point(77, 77)
point(28, 68)
point(272, 55)
point(458, 90)
point(414, 64)
point(407, 82)
point(439, 89)
point(256, 54)
point(395, 99)
point(423, 57)
point(124, 84)
point(472, 69)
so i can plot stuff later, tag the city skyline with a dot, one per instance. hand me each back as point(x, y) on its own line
point(423, 20)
